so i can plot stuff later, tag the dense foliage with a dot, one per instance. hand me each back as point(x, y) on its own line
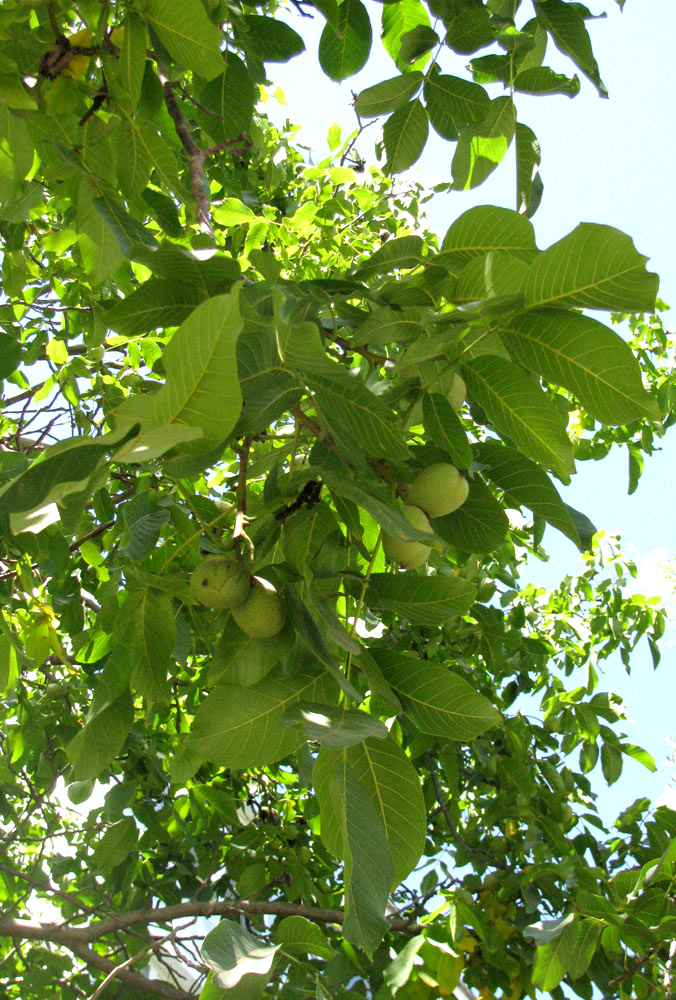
point(367, 772)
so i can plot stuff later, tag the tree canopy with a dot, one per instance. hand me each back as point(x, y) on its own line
point(279, 717)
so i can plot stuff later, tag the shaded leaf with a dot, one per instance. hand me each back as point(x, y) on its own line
point(453, 103)
point(422, 600)
point(526, 485)
point(594, 267)
point(437, 701)
point(201, 388)
point(585, 357)
point(480, 525)
point(388, 95)
point(188, 34)
point(520, 410)
point(232, 952)
point(405, 134)
point(482, 145)
point(343, 50)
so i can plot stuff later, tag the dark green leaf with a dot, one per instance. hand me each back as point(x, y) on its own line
point(388, 95)
point(526, 485)
point(528, 181)
point(421, 600)
point(445, 430)
point(437, 701)
point(520, 409)
point(594, 267)
point(565, 23)
point(344, 50)
point(275, 40)
point(585, 357)
point(469, 30)
point(453, 103)
point(480, 525)
point(482, 145)
point(543, 80)
point(405, 134)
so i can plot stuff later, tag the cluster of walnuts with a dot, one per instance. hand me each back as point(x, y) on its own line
point(223, 582)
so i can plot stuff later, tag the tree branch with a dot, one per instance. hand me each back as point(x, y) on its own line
point(455, 835)
point(71, 936)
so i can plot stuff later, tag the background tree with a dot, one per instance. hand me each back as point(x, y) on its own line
point(221, 361)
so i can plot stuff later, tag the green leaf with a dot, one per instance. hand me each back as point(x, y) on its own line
point(585, 357)
point(404, 252)
point(543, 80)
point(421, 600)
point(594, 267)
point(61, 469)
point(101, 254)
point(268, 390)
point(392, 784)
point(189, 36)
point(469, 30)
point(437, 701)
point(101, 739)
point(155, 305)
point(405, 134)
point(117, 843)
point(10, 355)
point(417, 43)
point(565, 23)
point(155, 635)
point(497, 274)
point(359, 838)
point(275, 40)
point(486, 228)
point(388, 326)
point(528, 181)
point(9, 665)
point(548, 965)
point(14, 95)
point(334, 727)
point(526, 485)
point(126, 230)
point(445, 430)
point(201, 389)
point(388, 95)
point(483, 144)
point(242, 727)
point(243, 661)
point(231, 96)
point(343, 50)
point(132, 160)
point(480, 525)
point(351, 413)
point(232, 952)
point(580, 941)
point(398, 19)
point(519, 409)
point(453, 103)
point(298, 934)
point(132, 62)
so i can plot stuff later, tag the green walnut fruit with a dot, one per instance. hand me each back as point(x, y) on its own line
point(262, 614)
point(220, 582)
point(439, 489)
point(456, 394)
point(408, 554)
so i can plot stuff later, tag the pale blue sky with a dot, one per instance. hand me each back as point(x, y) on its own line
point(607, 161)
